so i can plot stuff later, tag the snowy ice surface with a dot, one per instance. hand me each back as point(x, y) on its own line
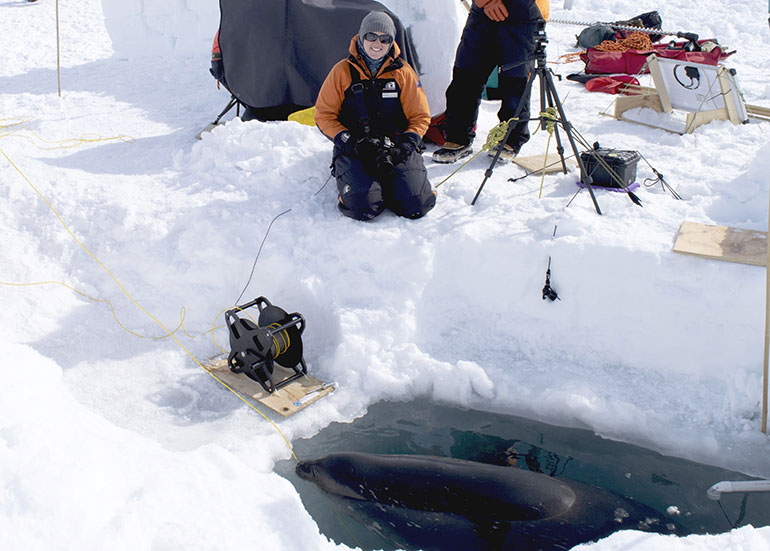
point(110, 441)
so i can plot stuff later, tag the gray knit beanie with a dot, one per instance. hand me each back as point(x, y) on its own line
point(377, 22)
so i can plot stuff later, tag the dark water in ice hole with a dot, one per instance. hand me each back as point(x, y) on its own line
point(430, 429)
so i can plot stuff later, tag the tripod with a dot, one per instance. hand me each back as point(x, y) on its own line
point(549, 97)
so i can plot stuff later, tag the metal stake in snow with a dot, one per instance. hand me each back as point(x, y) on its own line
point(767, 335)
point(58, 49)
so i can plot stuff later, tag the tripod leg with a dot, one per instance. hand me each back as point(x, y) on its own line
point(233, 101)
point(559, 145)
point(568, 130)
point(511, 124)
point(544, 97)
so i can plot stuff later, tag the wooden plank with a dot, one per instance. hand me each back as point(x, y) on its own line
point(722, 243)
point(645, 101)
point(694, 120)
point(635, 89)
point(660, 85)
point(758, 112)
point(725, 86)
point(534, 163)
point(285, 401)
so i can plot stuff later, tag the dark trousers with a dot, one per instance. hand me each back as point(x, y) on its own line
point(484, 45)
point(463, 98)
point(364, 194)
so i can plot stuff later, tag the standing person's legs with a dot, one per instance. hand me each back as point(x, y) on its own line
point(517, 43)
point(474, 61)
point(512, 91)
point(475, 58)
point(463, 98)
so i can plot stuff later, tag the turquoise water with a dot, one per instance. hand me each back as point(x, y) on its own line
point(661, 482)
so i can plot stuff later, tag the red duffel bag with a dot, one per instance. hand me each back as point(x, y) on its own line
point(631, 62)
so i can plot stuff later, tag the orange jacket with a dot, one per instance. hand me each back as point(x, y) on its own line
point(413, 101)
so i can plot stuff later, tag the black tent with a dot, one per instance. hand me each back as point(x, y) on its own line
point(277, 53)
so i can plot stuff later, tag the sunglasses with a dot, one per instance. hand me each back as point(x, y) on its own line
point(373, 37)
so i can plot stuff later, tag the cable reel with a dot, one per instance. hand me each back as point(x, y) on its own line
point(255, 348)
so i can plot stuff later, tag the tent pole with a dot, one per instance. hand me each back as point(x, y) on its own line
point(58, 49)
point(767, 333)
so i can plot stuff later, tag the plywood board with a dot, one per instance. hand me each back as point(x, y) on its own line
point(285, 401)
point(534, 164)
point(649, 99)
point(722, 243)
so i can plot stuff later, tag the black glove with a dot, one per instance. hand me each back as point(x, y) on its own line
point(343, 143)
point(408, 142)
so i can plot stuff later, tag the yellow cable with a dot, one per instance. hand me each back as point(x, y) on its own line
point(68, 143)
point(550, 116)
point(494, 137)
point(131, 298)
point(60, 144)
point(108, 302)
point(18, 121)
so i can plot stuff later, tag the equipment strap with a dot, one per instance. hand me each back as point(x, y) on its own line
point(357, 88)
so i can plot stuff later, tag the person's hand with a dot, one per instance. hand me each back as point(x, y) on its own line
point(408, 142)
point(482, 3)
point(343, 143)
point(496, 10)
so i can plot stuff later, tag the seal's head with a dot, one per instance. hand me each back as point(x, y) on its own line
point(334, 473)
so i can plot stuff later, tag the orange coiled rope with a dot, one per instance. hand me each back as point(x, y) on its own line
point(637, 40)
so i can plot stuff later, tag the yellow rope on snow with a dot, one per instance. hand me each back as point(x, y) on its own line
point(131, 298)
point(551, 119)
point(182, 311)
point(68, 143)
point(494, 137)
point(18, 121)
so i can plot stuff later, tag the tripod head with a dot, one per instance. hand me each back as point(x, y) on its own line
point(541, 39)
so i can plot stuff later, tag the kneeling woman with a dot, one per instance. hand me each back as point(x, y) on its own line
point(373, 107)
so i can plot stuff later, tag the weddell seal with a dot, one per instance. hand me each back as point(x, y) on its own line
point(444, 503)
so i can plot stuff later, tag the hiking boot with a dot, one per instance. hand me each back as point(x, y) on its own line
point(451, 152)
point(507, 154)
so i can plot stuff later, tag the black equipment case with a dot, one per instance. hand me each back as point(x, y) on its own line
point(623, 163)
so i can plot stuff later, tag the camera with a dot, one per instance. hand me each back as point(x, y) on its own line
point(379, 155)
point(385, 161)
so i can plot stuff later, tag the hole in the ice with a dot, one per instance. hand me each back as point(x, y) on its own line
point(673, 489)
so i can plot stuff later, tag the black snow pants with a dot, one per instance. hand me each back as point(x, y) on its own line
point(363, 194)
point(486, 44)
